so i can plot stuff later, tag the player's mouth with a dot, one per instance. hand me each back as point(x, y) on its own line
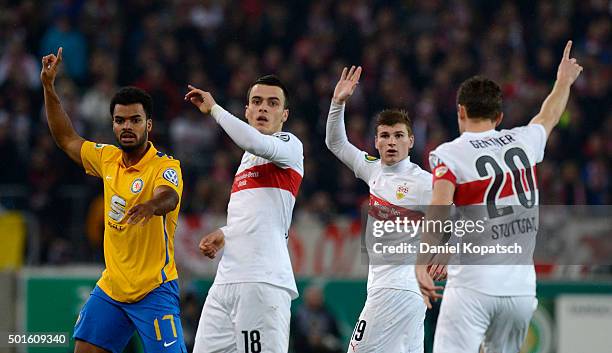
point(391, 152)
point(262, 119)
point(127, 138)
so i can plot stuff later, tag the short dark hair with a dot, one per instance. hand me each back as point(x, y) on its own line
point(270, 80)
point(132, 95)
point(481, 97)
point(390, 117)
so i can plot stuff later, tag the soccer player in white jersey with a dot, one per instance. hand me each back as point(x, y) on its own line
point(392, 318)
point(492, 304)
point(247, 308)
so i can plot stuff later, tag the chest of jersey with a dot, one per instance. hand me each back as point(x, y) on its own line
point(124, 188)
point(397, 189)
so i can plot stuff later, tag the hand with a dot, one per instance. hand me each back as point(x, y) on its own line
point(438, 272)
point(141, 212)
point(569, 70)
point(201, 99)
point(426, 285)
point(347, 84)
point(50, 64)
point(211, 243)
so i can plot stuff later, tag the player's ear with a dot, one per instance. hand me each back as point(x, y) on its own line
point(411, 144)
point(461, 112)
point(149, 125)
point(285, 115)
point(499, 119)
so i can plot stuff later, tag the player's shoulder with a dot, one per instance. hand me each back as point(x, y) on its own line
point(449, 147)
point(163, 159)
point(529, 129)
point(107, 151)
point(371, 160)
point(286, 136)
point(422, 175)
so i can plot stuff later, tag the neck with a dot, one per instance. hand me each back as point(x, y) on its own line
point(133, 157)
point(479, 125)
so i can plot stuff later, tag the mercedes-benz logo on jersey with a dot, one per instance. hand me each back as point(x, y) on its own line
point(137, 185)
point(171, 175)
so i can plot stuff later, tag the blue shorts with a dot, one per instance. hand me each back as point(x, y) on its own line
point(110, 324)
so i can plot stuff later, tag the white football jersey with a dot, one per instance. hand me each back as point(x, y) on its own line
point(261, 206)
point(398, 190)
point(496, 169)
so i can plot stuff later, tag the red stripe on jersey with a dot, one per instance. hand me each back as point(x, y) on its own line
point(473, 192)
point(268, 175)
point(382, 210)
point(441, 171)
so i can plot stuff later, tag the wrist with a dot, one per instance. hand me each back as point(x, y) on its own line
point(338, 101)
point(154, 207)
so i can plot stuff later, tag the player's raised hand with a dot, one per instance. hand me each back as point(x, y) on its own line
point(141, 212)
point(347, 84)
point(211, 243)
point(569, 69)
point(49, 69)
point(426, 285)
point(201, 99)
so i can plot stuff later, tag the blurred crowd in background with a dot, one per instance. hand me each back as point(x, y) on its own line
point(414, 55)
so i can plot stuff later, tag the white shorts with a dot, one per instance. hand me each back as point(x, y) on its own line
point(245, 318)
point(391, 321)
point(469, 318)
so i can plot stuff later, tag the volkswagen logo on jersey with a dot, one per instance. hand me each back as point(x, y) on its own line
point(171, 175)
point(137, 186)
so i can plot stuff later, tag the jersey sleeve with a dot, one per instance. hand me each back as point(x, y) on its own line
point(360, 162)
point(170, 174)
point(281, 148)
point(92, 155)
point(441, 166)
point(534, 135)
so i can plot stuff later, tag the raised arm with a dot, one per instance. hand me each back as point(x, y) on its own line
point(554, 104)
point(279, 148)
point(61, 128)
point(335, 132)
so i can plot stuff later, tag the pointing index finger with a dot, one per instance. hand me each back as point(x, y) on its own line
point(568, 48)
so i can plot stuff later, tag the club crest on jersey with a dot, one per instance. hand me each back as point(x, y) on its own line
point(100, 145)
point(401, 191)
point(171, 175)
point(137, 186)
point(369, 158)
point(440, 171)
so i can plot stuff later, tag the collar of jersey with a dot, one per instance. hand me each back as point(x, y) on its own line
point(397, 167)
point(143, 161)
point(472, 133)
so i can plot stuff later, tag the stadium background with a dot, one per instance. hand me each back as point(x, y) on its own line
point(414, 56)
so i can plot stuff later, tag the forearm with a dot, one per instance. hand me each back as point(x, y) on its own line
point(164, 202)
point(59, 123)
point(243, 134)
point(335, 136)
point(553, 106)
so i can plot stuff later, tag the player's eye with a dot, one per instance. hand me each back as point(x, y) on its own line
point(118, 121)
point(274, 103)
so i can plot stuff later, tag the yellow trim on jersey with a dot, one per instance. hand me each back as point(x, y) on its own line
point(138, 258)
